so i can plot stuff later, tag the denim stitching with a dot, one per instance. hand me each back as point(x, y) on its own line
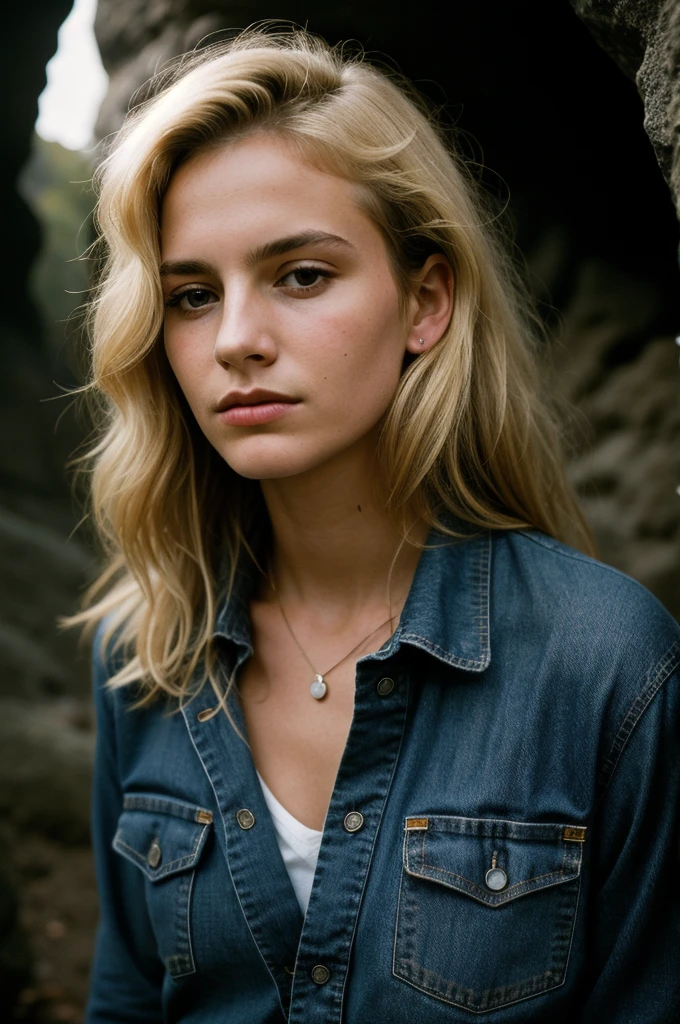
point(340, 1000)
point(162, 805)
point(450, 659)
point(526, 885)
point(184, 963)
point(482, 587)
point(493, 999)
point(657, 677)
point(172, 866)
point(484, 597)
point(406, 968)
point(496, 828)
point(214, 778)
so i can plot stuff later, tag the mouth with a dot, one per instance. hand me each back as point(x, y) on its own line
point(254, 408)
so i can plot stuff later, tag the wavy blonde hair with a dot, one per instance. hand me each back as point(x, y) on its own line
point(467, 432)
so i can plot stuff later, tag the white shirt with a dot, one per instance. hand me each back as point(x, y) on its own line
point(299, 846)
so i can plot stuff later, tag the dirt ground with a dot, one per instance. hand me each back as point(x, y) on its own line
point(58, 912)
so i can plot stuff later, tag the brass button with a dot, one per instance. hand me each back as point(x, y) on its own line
point(320, 974)
point(245, 818)
point(153, 857)
point(385, 687)
point(496, 879)
point(353, 821)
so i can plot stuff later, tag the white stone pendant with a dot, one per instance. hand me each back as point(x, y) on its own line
point(318, 689)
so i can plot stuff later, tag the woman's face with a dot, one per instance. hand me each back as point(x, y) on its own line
point(283, 323)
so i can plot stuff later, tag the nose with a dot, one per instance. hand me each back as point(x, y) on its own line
point(246, 331)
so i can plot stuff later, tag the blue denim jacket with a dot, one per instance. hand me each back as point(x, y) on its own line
point(514, 755)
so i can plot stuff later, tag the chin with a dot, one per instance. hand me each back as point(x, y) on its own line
point(271, 465)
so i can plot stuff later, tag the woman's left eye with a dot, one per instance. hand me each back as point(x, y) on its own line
point(303, 278)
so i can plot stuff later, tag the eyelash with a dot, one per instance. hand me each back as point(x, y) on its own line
point(175, 300)
point(319, 271)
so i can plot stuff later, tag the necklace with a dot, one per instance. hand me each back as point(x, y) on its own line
point(319, 687)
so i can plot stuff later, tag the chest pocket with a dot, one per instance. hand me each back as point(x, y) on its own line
point(486, 908)
point(165, 838)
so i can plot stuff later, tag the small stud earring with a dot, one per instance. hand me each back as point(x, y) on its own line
point(421, 341)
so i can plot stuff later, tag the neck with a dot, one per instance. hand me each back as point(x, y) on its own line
point(334, 546)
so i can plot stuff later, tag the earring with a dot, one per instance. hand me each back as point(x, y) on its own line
point(421, 341)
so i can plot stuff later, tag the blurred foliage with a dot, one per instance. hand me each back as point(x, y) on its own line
point(56, 182)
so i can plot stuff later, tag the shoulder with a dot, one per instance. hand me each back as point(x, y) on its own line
point(109, 657)
point(600, 632)
point(565, 590)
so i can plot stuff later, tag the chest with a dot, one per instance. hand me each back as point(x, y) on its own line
point(409, 902)
point(297, 741)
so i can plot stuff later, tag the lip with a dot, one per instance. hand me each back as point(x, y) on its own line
point(251, 408)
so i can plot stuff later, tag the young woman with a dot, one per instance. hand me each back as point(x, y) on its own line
point(374, 744)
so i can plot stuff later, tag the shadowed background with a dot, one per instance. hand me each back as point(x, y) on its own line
point(555, 131)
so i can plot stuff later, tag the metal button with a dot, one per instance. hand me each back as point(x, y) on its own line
point(496, 879)
point(320, 974)
point(153, 857)
point(353, 821)
point(385, 687)
point(245, 818)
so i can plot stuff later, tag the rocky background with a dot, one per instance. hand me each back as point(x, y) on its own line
point(554, 128)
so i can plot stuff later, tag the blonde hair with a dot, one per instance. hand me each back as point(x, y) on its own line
point(467, 432)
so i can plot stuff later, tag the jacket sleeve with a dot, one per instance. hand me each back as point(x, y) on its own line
point(127, 973)
point(634, 957)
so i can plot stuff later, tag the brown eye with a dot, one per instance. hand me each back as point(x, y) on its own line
point(304, 277)
point(191, 300)
point(196, 298)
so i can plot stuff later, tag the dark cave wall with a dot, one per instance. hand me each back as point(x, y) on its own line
point(643, 37)
point(27, 463)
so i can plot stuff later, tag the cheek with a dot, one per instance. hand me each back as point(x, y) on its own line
point(362, 352)
point(185, 363)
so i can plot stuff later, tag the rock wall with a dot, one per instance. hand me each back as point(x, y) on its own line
point(43, 686)
point(643, 36)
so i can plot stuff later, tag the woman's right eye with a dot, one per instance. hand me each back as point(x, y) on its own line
point(191, 299)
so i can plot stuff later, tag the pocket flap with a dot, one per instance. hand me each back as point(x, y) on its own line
point(161, 835)
point(491, 859)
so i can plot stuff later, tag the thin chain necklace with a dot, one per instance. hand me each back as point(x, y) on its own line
point(319, 687)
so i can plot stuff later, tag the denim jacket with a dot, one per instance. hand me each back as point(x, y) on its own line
point(511, 778)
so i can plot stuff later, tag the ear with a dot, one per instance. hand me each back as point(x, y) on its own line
point(431, 305)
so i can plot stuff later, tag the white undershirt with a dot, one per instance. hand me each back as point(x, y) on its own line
point(299, 846)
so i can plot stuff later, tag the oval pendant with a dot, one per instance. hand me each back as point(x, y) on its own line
point(318, 689)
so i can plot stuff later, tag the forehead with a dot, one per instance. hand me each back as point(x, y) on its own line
point(254, 189)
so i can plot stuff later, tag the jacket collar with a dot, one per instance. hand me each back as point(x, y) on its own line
point(446, 611)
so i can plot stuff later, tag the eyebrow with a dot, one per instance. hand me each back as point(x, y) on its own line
point(278, 247)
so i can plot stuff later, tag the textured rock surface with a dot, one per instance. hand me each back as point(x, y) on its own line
point(42, 785)
point(626, 463)
point(643, 36)
point(45, 766)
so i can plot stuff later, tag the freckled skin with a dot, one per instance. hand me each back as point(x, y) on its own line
point(259, 328)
